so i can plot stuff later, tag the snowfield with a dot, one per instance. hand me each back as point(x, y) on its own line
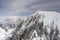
point(8, 24)
point(4, 34)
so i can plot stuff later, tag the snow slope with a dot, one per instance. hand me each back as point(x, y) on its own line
point(50, 17)
point(4, 35)
point(7, 25)
point(47, 17)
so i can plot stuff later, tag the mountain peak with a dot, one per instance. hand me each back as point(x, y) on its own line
point(39, 26)
point(42, 25)
point(48, 16)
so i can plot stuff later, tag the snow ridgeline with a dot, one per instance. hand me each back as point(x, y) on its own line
point(43, 25)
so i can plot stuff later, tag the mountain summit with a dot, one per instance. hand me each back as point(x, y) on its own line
point(42, 25)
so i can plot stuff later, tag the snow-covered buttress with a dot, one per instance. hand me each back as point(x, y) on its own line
point(42, 25)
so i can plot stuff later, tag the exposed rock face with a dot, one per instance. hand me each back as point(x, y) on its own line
point(33, 28)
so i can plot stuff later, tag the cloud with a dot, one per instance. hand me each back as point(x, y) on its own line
point(24, 7)
point(18, 5)
point(21, 5)
point(46, 6)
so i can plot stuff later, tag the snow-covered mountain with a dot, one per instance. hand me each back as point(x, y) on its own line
point(42, 25)
point(10, 22)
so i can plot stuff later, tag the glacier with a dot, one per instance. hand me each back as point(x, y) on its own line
point(42, 25)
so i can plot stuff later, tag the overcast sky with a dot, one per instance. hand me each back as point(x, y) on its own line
point(27, 7)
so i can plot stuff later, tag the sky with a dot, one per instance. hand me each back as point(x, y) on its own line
point(27, 7)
